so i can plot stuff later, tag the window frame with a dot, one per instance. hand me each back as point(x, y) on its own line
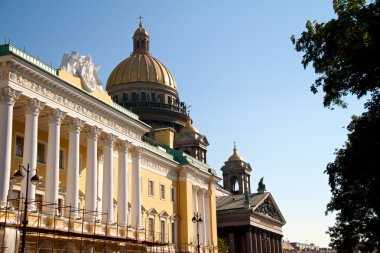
point(173, 194)
point(15, 145)
point(162, 192)
point(39, 142)
point(150, 187)
point(63, 162)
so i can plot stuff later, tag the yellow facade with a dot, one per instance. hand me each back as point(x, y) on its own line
point(168, 177)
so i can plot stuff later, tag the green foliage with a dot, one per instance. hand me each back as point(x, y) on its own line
point(222, 245)
point(345, 53)
point(355, 183)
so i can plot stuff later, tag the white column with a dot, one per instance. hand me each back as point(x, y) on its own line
point(91, 195)
point(72, 185)
point(32, 111)
point(8, 97)
point(202, 228)
point(99, 186)
point(123, 180)
point(107, 196)
point(207, 218)
point(195, 209)
point(136, 188)
point(52, 163)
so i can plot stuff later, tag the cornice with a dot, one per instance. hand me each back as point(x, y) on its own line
point(51, 88)
point(159, 164)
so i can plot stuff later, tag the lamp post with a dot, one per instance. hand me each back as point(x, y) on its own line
point(19, 175)
point(197, 219)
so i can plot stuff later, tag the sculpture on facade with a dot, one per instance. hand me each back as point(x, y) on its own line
point(84, 68)
point(261, 187)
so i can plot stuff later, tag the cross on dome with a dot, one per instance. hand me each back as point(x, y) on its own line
point(141, 18)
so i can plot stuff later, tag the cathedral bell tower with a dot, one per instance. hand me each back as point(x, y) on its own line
point(236, 174)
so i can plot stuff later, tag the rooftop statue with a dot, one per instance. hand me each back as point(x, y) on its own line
point(261, 187)
point(84, 68)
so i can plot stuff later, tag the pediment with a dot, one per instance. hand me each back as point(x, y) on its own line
point(163, 214)
point(268, 207)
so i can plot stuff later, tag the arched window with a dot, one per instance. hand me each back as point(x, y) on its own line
point(235, 184)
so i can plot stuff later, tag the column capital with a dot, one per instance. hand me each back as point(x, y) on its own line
point(9, 95)
point(93, 132)
point(110, 139)
point(196, 188)
point(123, 145)
point(99, 154)
point(136, 151)
point(33, 106)
point(202, 192)
point(75, 124)
point(55, 116)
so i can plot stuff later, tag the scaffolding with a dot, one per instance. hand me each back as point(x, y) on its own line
point(53, 228)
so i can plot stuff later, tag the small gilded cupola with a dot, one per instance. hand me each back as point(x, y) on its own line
point(236, 174)
point(140, 39)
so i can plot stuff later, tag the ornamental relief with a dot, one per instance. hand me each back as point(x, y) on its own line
point(154, 166)
point(18, 78)
point(4, 70)
point(268, 208)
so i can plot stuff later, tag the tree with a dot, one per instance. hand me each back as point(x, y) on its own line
point(355, 184)
point(345, 53)
point(222, 245)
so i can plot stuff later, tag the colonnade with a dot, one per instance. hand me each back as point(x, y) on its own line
point(254, 240)
point(201, 204)
point(33, 107)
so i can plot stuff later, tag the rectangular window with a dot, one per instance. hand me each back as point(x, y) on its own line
point(143, 96)
point(41, 152)
point(115, 98)
point(173, 233)
point(19, 146)
point(151, 188)
point(134, 97)
point(61, 159)
point(60, 205)
point(15, 199)
point(162, 191)
point(170, 100)
point(38, 200)
point(125, 97)
point(153, 97)
point(173, 194)
point(151, 229)
point(162, 225)
point(80, 165)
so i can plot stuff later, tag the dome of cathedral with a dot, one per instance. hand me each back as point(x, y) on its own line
point(235, 156)
point(141, 66)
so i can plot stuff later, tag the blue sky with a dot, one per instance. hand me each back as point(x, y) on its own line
point(234, 64)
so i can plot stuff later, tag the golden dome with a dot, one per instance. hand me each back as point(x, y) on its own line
point(141, 66)
point(235, 156)
point(189, 128)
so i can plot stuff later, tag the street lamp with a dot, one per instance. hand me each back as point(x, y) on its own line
point(197, 219)
point(19, 176)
